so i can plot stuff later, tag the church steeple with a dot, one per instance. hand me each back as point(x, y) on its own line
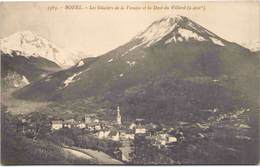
point(118, 118)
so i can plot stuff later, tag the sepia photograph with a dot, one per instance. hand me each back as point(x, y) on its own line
point(130, 83)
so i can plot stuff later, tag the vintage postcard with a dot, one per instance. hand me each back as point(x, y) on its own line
point(130, 83)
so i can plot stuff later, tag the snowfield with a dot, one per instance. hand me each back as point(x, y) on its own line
point(71, 79)
point(29, 44)
point(172, 30)
point(81, 63)
point(216, 41)
point(187, 34)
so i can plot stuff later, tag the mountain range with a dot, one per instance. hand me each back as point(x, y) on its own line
point(29, 44)
point(29, 56)
point(171, 46)
point(175, 73)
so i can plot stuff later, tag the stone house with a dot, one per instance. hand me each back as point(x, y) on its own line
point(56, 124)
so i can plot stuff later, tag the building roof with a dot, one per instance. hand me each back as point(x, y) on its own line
point(70, 121)
point(140, 127)
point(113, 133)
point(57, 122)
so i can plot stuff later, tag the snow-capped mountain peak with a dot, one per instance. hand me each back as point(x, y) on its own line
point(28, 44)
point(179, 29)
point(158, 29)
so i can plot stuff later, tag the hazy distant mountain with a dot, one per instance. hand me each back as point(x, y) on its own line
point(30, 57)
point(29, 44)
point(254, 46)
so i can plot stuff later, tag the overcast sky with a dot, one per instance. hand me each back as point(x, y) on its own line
point(99, 31)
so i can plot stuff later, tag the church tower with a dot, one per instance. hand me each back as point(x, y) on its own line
point(87, 119)
point(118, 118)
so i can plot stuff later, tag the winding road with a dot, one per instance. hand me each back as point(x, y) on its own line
point(99, 156)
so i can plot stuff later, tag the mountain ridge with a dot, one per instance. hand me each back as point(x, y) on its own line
point(143, 58)
point(29, 44)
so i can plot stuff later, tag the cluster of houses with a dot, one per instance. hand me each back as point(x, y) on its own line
point(92, 125)
point(125, 134)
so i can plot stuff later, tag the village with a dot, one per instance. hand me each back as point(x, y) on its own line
point(122, 139)
point(122, 133)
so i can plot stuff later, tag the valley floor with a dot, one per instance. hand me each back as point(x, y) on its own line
point(17, 106)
